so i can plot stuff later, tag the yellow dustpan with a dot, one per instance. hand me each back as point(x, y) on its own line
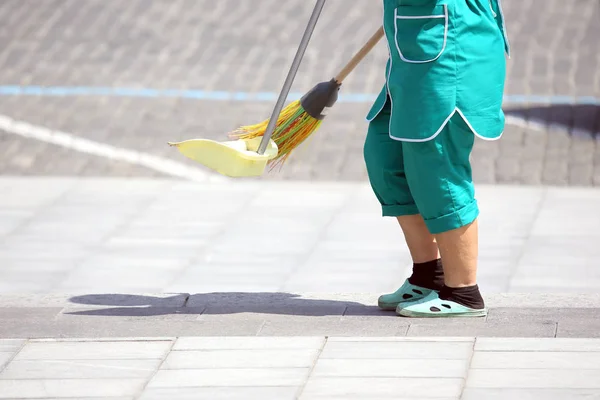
point(236, 158)
point(249, 157)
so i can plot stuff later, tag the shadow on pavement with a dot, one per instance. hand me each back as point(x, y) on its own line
point(580, 118)
point(220, 303)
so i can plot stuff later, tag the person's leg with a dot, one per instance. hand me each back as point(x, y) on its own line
point(459, 250)
point(385, 167)
point(421, 243)
point(439, 176)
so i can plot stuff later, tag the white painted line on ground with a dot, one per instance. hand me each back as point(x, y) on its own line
point(69, 141)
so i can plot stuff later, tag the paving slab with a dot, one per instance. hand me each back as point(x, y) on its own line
point(537, 344)
point(8, 314)
point(221, 393)
point(534, 378)
point(379, 349)
point(535, 360)
point(530, 394)
point(317, 397)
point(543, 315)
point(93, 398)
point(49, 368)
point(280, 325)
point(266, 358)
point(583, 328)
point(390, 368)
point(242, 343)
point(346, 387)
point(231, 377)
point(95, 326)
point(5, 357)
point(8, 345)
point(61, 388)
point(481, 328)
point(94, 351)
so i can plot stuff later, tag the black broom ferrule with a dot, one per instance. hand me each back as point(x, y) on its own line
point(320, 98)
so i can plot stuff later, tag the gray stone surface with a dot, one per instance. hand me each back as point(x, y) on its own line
point(222, 329)
point(270, 358)
point(221, 393)
point(390, 368)
point(91, 301)
point(535, 360)
point(61, 368)
point(537, 344)
point(5, 357)
point(242, 377)
point(178, 238)
point(94, 350)
point(36, 388)
point(328, 325)
point(382, 350)
point(135, 321)
point(314, 368)
point(481, 328)
point(530, 394)
point(194, 45)
point(534, 378)
point(382, 387)
point(241, 343)
point(582, 328)
point(8, 345)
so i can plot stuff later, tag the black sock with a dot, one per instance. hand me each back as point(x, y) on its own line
point(429, 275)
point(467, 296)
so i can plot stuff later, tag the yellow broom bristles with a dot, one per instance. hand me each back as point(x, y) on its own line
point(294, 126)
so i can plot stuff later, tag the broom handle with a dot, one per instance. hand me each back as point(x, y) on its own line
point(291, 75)
point(359, 56)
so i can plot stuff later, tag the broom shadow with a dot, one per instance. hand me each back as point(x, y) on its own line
point(219, 303)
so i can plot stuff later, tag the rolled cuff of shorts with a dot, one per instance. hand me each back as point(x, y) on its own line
point(455, 220)
point(399, 210)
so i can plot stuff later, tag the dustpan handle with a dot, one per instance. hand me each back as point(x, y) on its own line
point(291, 75)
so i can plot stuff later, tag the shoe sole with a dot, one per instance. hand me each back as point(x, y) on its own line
point(413, 314)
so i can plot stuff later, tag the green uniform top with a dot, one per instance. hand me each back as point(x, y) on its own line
point(445, 57)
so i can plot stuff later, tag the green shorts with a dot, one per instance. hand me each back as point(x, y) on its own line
point(431, 178)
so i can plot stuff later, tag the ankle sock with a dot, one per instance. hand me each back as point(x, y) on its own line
point(467, 296)
point(429, 275)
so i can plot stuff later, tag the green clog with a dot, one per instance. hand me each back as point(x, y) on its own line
point(432, 306)
point(405, 294)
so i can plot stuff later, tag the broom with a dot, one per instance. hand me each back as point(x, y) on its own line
point(301, 118)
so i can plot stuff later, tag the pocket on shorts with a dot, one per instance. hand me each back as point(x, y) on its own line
point(420, 33)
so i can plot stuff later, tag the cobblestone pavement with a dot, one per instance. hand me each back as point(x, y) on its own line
point(248, 46)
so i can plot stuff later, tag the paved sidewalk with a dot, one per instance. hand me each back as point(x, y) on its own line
point(69, 235)
point(282, 368)
point(163, 289)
